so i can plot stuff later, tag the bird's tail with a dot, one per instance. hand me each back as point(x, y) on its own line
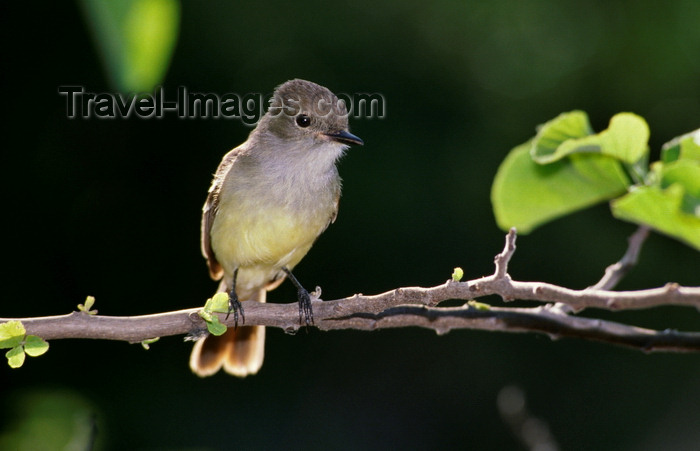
point(239, 351)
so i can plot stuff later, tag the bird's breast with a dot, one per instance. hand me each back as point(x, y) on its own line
point(272, 223)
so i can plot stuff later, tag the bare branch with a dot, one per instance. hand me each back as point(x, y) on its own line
point(417, 307)
point(352, 314)
point(670, 294)
point(615, 272)
point(504, 257)
point(537, 319)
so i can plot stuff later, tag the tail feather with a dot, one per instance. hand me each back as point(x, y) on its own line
point(239, 351)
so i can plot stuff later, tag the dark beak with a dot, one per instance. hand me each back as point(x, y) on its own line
point(345, 137)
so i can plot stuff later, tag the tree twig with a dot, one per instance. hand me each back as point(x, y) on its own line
point(615, 272)
point(417, 306)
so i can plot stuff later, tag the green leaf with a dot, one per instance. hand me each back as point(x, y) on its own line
point(89, 302)
point(215, 327)
point(146, 344)
point(683, 147)
point(554, 133)
point(526, 194)
point(686, 173)
point(11, 334)
point(205, 315)
point(478, 305)
point(15, 357)
point(218, 303)
point(625, 139)
point(661, 209)
point(136, 39)
point(670, 202)
point(35, 346)
point(457, 274)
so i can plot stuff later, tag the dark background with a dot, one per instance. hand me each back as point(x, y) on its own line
point(111, 208)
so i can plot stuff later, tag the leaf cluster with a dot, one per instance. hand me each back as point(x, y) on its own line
point(566, 167)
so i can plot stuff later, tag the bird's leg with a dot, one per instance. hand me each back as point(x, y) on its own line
point(306, 314)
point(234, 305)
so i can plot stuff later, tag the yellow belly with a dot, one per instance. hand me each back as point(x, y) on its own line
point(260, 240)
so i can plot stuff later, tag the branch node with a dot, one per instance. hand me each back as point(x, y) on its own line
point(672, 287)
point(559, 308)
point(501, 260)
point(291, 330)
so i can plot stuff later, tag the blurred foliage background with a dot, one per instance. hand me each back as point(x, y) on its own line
point(111, 208)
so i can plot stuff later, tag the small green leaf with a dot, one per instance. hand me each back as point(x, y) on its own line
point(478, 305)
point(218, 303)
point(661, 209)
point(11, 334)
point(146, 343)
point(215, 327)
point(89, 302)
point(526, 194)
point(205, 315)
point(35, 346)
point(552, 134)
point(15, 357)
point(457, 274)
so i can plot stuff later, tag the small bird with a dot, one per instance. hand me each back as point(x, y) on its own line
point(270, 199)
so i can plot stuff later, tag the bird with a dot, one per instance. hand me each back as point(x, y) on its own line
point(270, 199)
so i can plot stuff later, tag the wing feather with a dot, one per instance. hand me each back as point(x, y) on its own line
point(210, 209)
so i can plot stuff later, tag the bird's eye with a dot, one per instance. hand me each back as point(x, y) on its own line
point(303, 120)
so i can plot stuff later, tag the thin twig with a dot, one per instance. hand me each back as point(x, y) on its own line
point(501, 260)
point(615, 272)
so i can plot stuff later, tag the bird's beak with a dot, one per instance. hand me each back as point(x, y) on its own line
point(345, 138)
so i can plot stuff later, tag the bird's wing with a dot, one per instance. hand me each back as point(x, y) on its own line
point(211, 207)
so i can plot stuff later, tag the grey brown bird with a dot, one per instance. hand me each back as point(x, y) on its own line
point(270, 199)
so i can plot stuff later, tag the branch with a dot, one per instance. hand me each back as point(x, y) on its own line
point(359, 313)
point(615, 272)
point(416, 306)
